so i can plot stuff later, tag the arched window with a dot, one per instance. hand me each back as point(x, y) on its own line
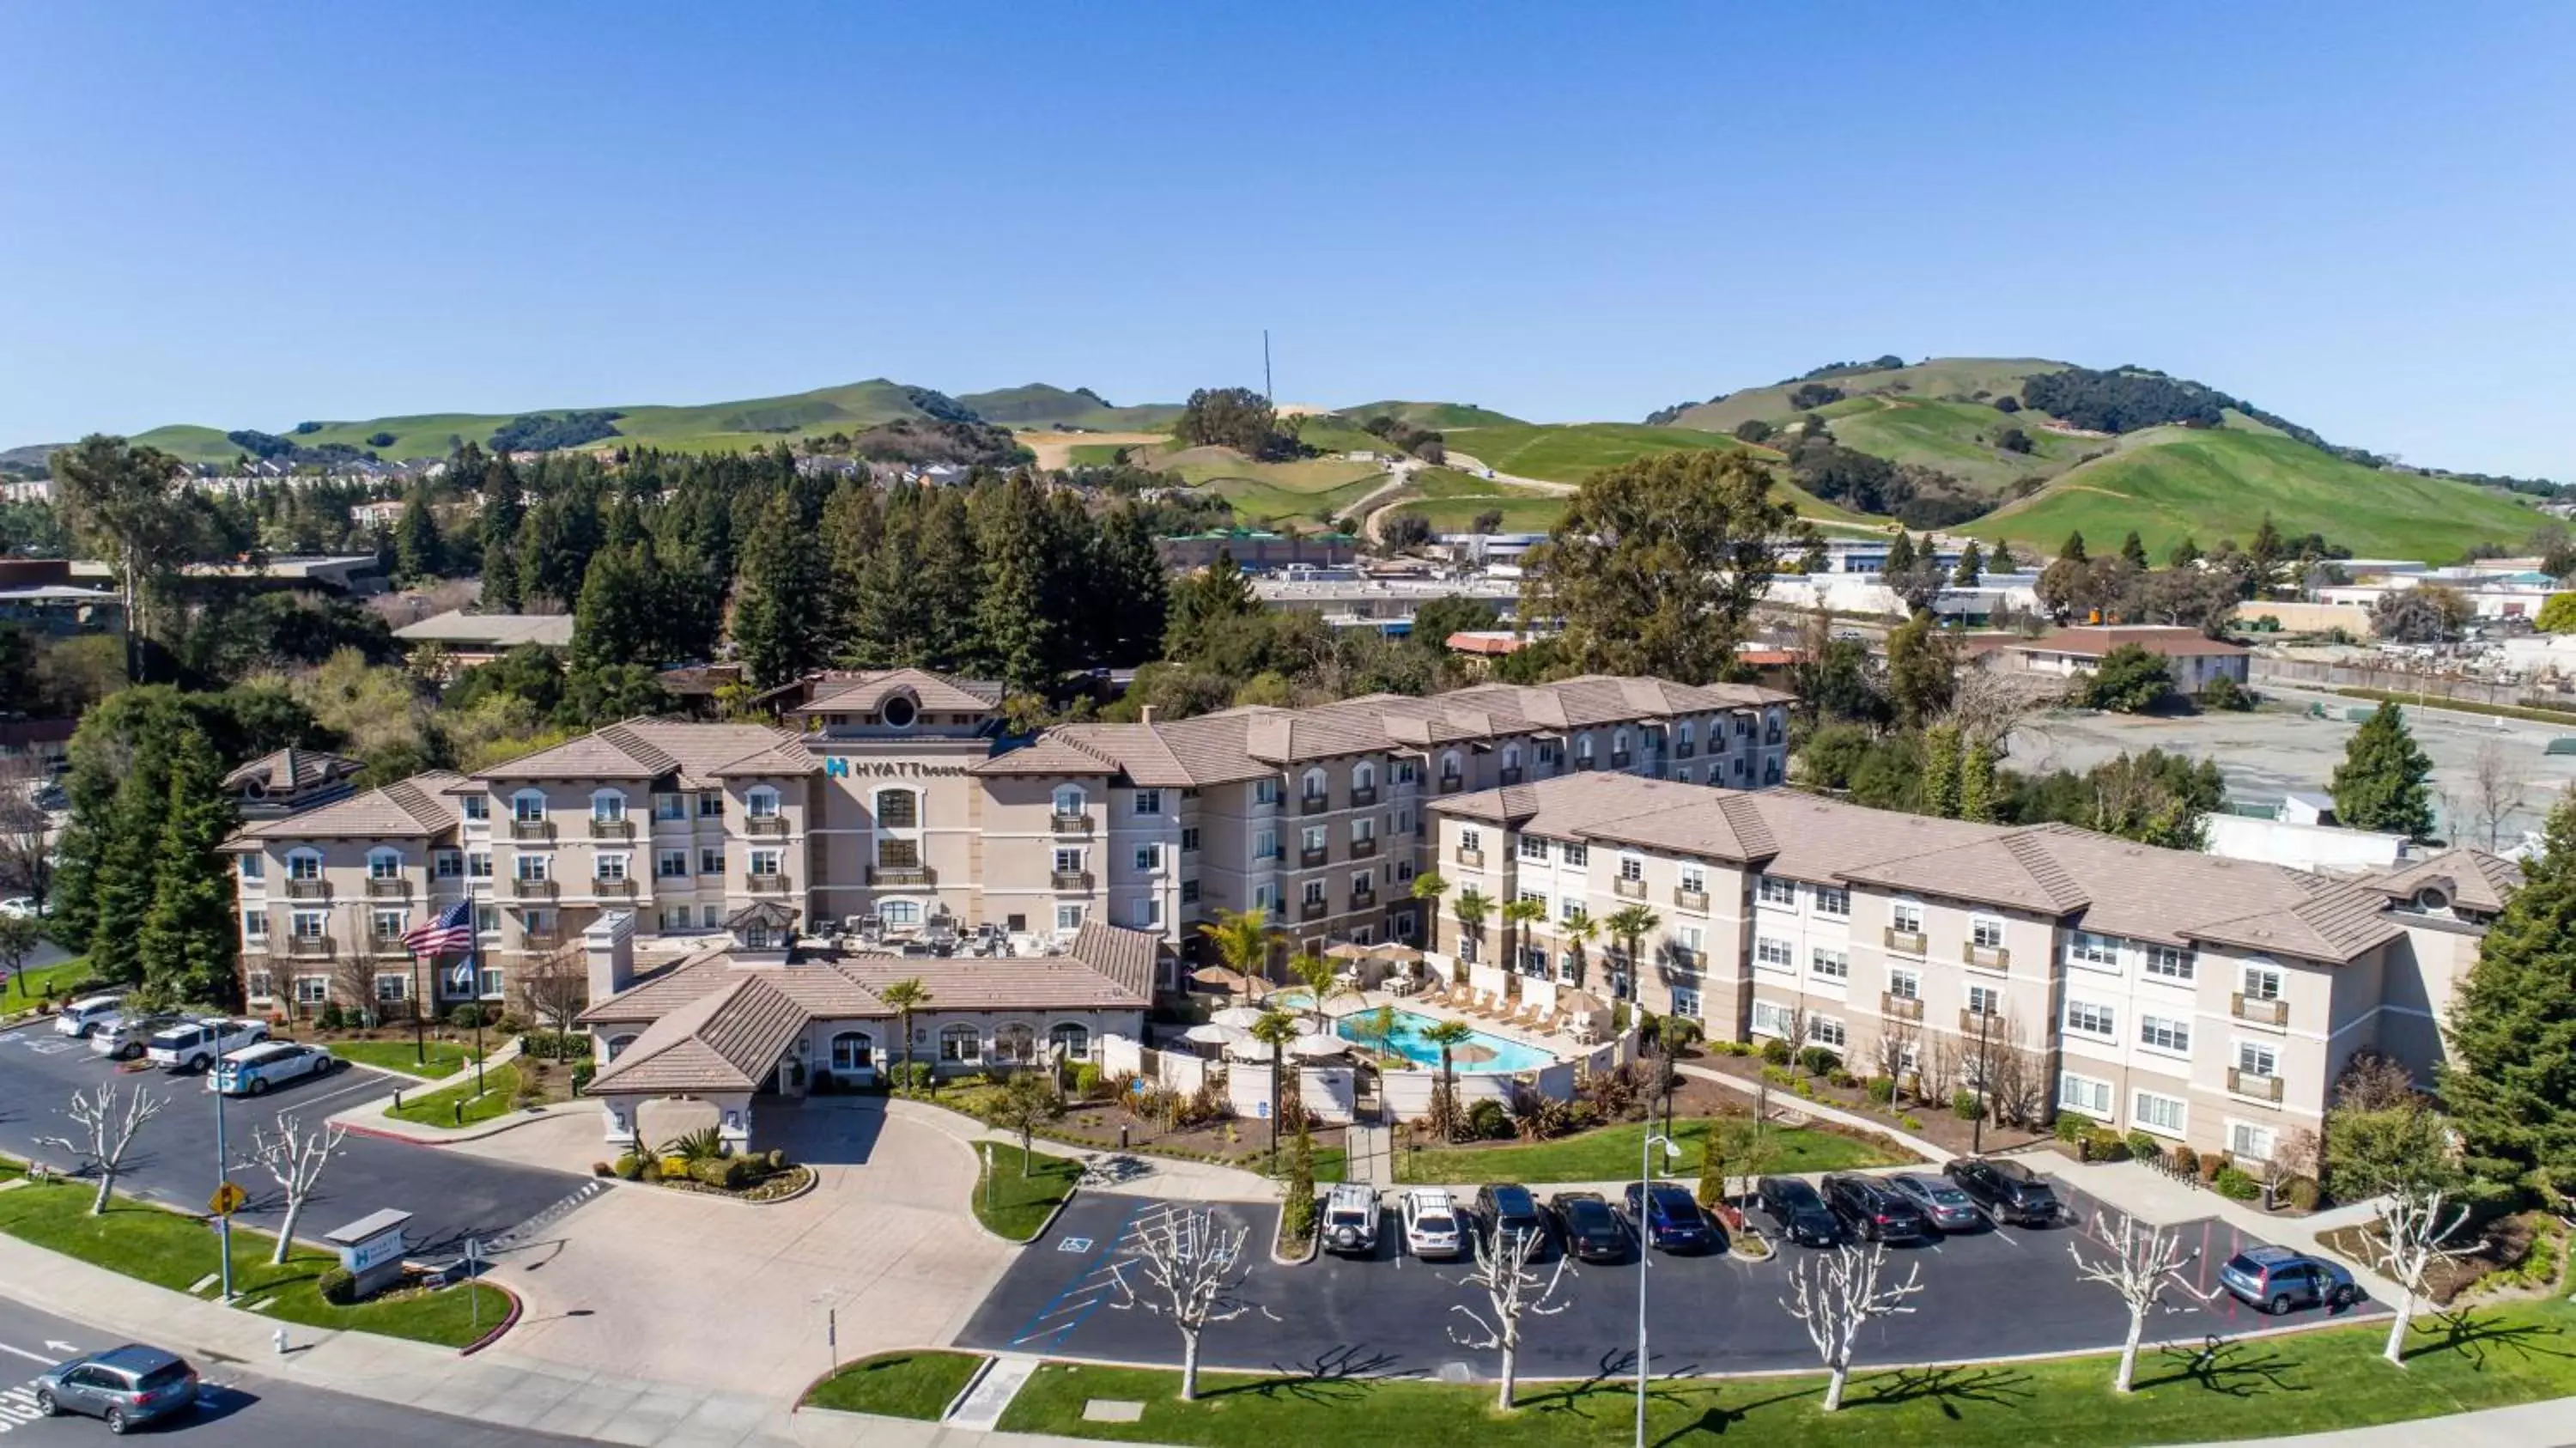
point(384, 863)
point(608, 805)
point(1070, 800)
point(1511, 756)
point(1683, 734)
point(618, 1044)
point(1363, 775)
point(960, 1044)
point(1015, 1043)
point(898, 809)
point(1312, 786)
point(1583, 746)
point(528, 805)
point(760, 802)
point(854, 1051)
point(1074, 1041)
point(1619, 741)
point(1450, 767)
point(304, 864)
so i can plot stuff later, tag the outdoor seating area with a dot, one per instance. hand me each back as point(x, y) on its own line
point(935, 935)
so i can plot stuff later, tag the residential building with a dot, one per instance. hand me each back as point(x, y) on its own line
point(479, 638)
point(280, 784)
point(2209, 1001)
point(2194, 659)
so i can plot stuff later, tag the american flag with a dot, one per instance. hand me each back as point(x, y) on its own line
point(452, 930)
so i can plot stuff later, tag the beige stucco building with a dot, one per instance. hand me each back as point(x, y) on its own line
point(2210, 1001)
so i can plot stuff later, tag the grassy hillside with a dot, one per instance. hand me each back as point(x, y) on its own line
point(1437, 415)
point(1452, 499)
point(2211, 484)
point(1306, 489)
point(1572, 452)
point(189, 444)
point(1958, 438)
point(1041, 405)
point(1940, 377)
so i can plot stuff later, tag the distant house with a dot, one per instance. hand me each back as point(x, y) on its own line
point(2194, 659)
point(38, 594)
point(1255, 549)
point(479, 638)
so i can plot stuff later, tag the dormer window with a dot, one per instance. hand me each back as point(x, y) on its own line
point(304, 865)
point(1312, 786)
point(1363, 776)
point(2432, 900)
point(900, 711)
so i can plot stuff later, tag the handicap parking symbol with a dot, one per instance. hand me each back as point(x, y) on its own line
point(1074, 1244)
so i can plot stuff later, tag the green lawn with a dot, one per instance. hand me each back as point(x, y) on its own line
point(1522, 513)
point(444, 1056)
point(438, 1108)
point(172, 1251)
point(1018, 1204)
point(1571, 452)
point(1958, 438)
point(2308, 1383)
point(1611, 1153)
point(1095, 454)
point(897, 1384)
point(56, 979)
point(1259, 502)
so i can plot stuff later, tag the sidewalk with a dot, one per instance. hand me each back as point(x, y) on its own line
point(1170, 1179)
point(1822, 1111)
point(2151, 1196)
point(369, 1119)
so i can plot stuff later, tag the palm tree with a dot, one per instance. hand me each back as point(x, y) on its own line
point(1276, 1029)
point(1472, 909)
point(1429, 887)
point(1580, 932)
point(1316, 973)
point(1523, 912)
point(1242, 939)
point(1630, 925)
point(904, 997)
point(1447, 1035)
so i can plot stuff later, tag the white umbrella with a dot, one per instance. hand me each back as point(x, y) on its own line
point(1317, 1047)
point(1214, 1034)
point(1248, 1049)
point(1237, 1018)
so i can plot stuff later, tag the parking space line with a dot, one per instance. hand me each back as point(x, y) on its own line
point(1033, 1327)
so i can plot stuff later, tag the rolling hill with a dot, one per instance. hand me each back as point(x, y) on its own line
point(1439, 416)
point(1967, 378)
point(1573, 451)
point(1039, 405)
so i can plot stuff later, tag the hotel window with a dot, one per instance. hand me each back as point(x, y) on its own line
point(1265, 791)
point(1770, 1018)
point(1363, 830)
point(1685, 1001)
point(536, 922)
point(1533, 848)
point(2262, 983)
point(1149, 858)
point(1688, 941)
point(1833, 900)
point(1576, 855)
point(1068, 918)
point(1471, 840)
point(2164, 1034)
point(1314, 892)
point(671, 864)
point(1569, 909)
point(1632, 869)
point(487, 919)
point(2169, 962)
point(1313, 839)
point(1682, 775)
point(2101, 952)
point(2085, 1095)
point(305, 925)
point(1831, 964)
point(392, 989)
point(710, 860)
point(2245, 1139)
point(1694, 880)
point(960, 1044)
point(255, 926)
point(711, 805)
point(1189, 839)
point(1265, 897)
point(1538, 897)
point(1068, 860)
point(390, 924)
point(312, 990)
point(1826, 1031)
point(304, 865)
point(445, 864)
point(898, 809)
point(1069, 799)
point(1905, 916)
point(1773, 953)
point(762, 804)
point(1986, 932)
point(900, 912)
point(669, 807)
point(608, 866)
point(478, 865)
point(384, 864)
point(260, 985)
point(1551, 753)
point(251, 867)
point(532, 867)
point(1772, 891)
point(608, 806)
point(2164, 1115)
point(711, 916)
point(1985, 1001)
point(1265, 845)
point(1149, 801)
point(1189, 892)
point(2089, 1019)
point(477, 807)
point(528, 806)
point(764, 863)
point(1313, 785)
point(1149, 914)
point(1905, 985)
point(1362, 882)
point(1363, 775)
point(1405, 771)
point(2257, 1058)
point(489, 984)
point(1583, 748)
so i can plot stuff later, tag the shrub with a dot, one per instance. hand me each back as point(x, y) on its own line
point(1910, 1121)
point(466, 1017)
point(915, 1079)
point(775, 1158)
point(2104, 1144)
point(1487, 1118)
point(2235, 1185)
point(1777, 1075)
point(2071, 1127)
point(2224, 693)
point(1840, 1077)
point(2211, 1164)
point(1086, 1079)
point(329, 1018)
point(2184, 1159)
point(2145, 1147)
point(732, 1173)
point(626, 1167)
point(554, 1045)
point(675, 1166)
point(504, 1022)
point(649, 1169)
point(1776, 1051)
point(1881, 1089)
point(582, 1071)
point(1965, 1105)
point(2302, 1193)
point(338, 1286)
point(1817, 1060)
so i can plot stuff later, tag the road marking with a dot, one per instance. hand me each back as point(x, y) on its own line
point(1074, 1244)
point(32, 1357)
point(334, 1095)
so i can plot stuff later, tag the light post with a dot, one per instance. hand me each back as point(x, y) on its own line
point(223, 1177)
point(1645, 1256)
point(1977, 1129)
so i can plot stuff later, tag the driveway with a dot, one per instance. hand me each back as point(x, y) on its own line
point(704, 1292)
point(173, 1160)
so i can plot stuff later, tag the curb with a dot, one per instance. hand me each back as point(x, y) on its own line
point(508, 1320)
point(813, 1180)
point(450, 1136)
point(1042, 1226)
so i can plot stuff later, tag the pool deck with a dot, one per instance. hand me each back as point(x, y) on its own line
point(1556, 1045)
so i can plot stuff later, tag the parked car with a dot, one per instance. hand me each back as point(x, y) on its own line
point(251, 1070)
point(22, 907)
point(1872, 1211)
point(1593, 1232)
point(2009, 1191)
point(127, 1386)
point(121, 1036)
point(2276, 1279)
point(1431, 1225)
point(1350, 1220)
point(1666, 1219)
point(196, 1045)
point(1798, 1210)
point(1512, 1212)
point(1946, 1207)
point(82, 1016)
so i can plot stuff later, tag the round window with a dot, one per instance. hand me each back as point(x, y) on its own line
point(2432, 898)
point(900, 711)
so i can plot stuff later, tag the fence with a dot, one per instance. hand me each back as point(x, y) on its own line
point(2428, 687)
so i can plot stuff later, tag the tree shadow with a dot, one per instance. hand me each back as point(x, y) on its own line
point(2232, 1369)
point(1337, 1375)
point(1948, 1387)
point(2474, 1336)
point(1605, 1398)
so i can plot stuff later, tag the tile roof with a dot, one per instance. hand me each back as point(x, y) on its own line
point(292, 771)
point(2473, 878)
point(696, 754)
point(497, 630)
point(862, 691)
point(729, 1039)
point(2092, 643)
point(414, 808)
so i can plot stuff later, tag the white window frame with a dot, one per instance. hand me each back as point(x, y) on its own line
point(1773, 953)
point(528, 807)
point(1986, 931)
point(1149, 802)
point(1833, 965)
point(1905, 916)
point(2147, 1112)
point(2173, 963)
point(2164, 1035)
point(760, 802)
point(1774, 891)
point(2093, 1020)
point(1905, 983)
point(2092, 951)
point(1833, 901)
point(1827, 1032)
point(2084, 1095)
point(2260, 981)
point(608, 806)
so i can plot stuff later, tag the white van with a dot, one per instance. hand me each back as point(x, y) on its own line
point(251, 1070)
point(197, 1045)
point(82, 1016)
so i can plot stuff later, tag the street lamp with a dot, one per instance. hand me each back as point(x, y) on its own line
point(1645, 1256)
point(1985, 1065)
point(223, 1177)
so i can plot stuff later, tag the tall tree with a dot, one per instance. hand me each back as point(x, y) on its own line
point(1657, 564)
point(1130, 591)
point(2072, 550)
point(2381, 784)
point(2184, 554)
point(189, 944)
point(2510, 1080)
point(1922, 671)
point(1971, 569)
point(2134, 549)
point(127, 500)
point(419, 552)
point(1015, 630)
point(853, 526)
point(624, 613)
point(1204, 601)
point(778, 614)
point(503, 511)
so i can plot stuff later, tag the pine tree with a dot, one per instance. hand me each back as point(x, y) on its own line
point(853, 526)
point(1014, 635)
point(2510, 1081)
point(503, 511)
point(2072, 551)
point(887, 621)
point(778, 603)
point(1971, 570)
point(188, 946)
point(1900, 555)
point(2184, 554)
point(2002, 560)
point(2381, 783)
point(129, 858)
point(1132, 592)
point(952, 581)
point(623, 614)
point(1218, 591)
point(418, 550)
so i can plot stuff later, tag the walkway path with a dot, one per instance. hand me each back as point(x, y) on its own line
point(1168, 1179)
point(1822, 1111)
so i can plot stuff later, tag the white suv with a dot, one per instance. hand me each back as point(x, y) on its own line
point(197, 1045)
point(1350, 1220)
point(1431, 1224)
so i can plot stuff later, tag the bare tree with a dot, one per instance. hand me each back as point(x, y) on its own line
point(2495, 790)
point(353, 978)
point(295, 1157)
point(109, 1118)
point(554, 987)
point(2141, 1263)
point(1512, 1291)
point(26, 855)
point(1897, 1047)
point(1834, 1294)
point(1938, 1075)
point(2410, 1236)
point(1192, 1271)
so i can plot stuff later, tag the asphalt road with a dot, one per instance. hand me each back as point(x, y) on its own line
point(239, 1409)
point(1998, 1293)
point(451, 1194)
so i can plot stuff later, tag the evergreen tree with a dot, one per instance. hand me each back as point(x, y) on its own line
point(2072, 551)
point(952, 580)
point(853, 526)
point(778, 604)
point(624, 609)
point(502, 514)
point(1900, 555)
point(1971, 570)
point(1941, 761)
point(418, 550)
point(1977, 781)
point(2002, 560)
point(2133, 550)
point(129, 858)
point(555, 545)
point(187, 948)
point(1216, 593)
point(2381, 783)
point(887, 620)
point(2184, 554)
point(1922, 671)
point(1014, 634)
point(2510, 1081)
point(1131, 592)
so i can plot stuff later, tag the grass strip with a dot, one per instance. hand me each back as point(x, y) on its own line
point(1611, 1153)
point(897, 1384)
point(1014, 1204)
point(446, 1058)
point(461, 1104)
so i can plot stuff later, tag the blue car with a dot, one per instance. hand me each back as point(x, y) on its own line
point(1666, 1219)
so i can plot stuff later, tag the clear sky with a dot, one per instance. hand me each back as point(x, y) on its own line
point(2356, 215)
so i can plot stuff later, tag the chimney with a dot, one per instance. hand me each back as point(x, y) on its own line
point(608, 952)
point(1147, 714)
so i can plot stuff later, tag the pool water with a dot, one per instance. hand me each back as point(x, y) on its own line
point(1509, 1057)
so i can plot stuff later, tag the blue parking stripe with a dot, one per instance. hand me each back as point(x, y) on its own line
point(1109, 1247)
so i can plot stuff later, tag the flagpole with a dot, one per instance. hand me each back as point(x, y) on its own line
point(474, 988)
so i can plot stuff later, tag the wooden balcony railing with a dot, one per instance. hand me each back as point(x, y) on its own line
point(2258, 1010)
point(2245, 1083)
point(1901, 1008)
point(1909, 942)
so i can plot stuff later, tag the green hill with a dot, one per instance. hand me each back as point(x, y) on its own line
point(1440, 416)
point(1571, 452)
point(1969, 378)
point(1041, 405)
point(1963, 439)
point(2169, 482)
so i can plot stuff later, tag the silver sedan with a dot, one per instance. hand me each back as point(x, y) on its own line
point(1946, 1207)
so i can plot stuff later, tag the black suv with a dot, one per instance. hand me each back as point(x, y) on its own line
point(1509, 1210)
point(1799, 1213)
point(2009, 1191)
point(1871, 1209)
point(1593, 1233)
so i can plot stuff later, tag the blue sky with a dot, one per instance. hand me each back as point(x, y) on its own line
point(2355, 215)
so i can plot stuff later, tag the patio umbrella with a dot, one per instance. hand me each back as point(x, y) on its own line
point(1468, 1053)
point(1249, 1049)
point(1314, 1047)
point(1347, 951)
point(1221, 977)
point(1238, 1018)
point(1215, 1034)
point(1584, 1000)
point(1400, 954)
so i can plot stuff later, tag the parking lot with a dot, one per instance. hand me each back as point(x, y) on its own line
point(1997, 1293)
point(453, 1196)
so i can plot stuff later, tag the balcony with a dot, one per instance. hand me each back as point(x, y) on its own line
point(1364, 849)
point(1685, 750)
point(1071, 824)
point(1509, 777)
point(1472, 859)
point(388, 887)
point(1584, 763)
point(616, 829)
point(1313, 859)
point(1900, 1008)
point(765, 884)
point(1974, 1022)
point(1314, 804)
point(532, 889)
point(1070, 880)
point(764, 824)
point(2259, 1011)
point(532, 829)
point(1314, 909)
point(1620, 758)
point(1363, 899)
point(312, 889)
point(539, 940)
point(388, 946)
point(1906, 942)
point(311, 947)
point(1452, 783)
point(1363, 798)
point(1691, 899)
point(2241, 1082)
point(1988, 957)
point(902, 877)
point(620, 888)
point(1627, 889)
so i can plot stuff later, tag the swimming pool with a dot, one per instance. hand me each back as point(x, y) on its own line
point(1508, 1057)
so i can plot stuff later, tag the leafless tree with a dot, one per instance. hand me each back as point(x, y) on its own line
point(109, 1118)
point(2412, 1233)
point(2140, 1262)
point(2496, 789)
point(1898, 1043)
point(1512, 1291)
point(353, 978)
point(1834, 1294)
point(2010, 1076)
point(295, 1157)
point(1985, 707)
point(1938, 1075)
point(2372, 1081)
point(554, 987)
point(26, 856)
point(1191, 1271)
